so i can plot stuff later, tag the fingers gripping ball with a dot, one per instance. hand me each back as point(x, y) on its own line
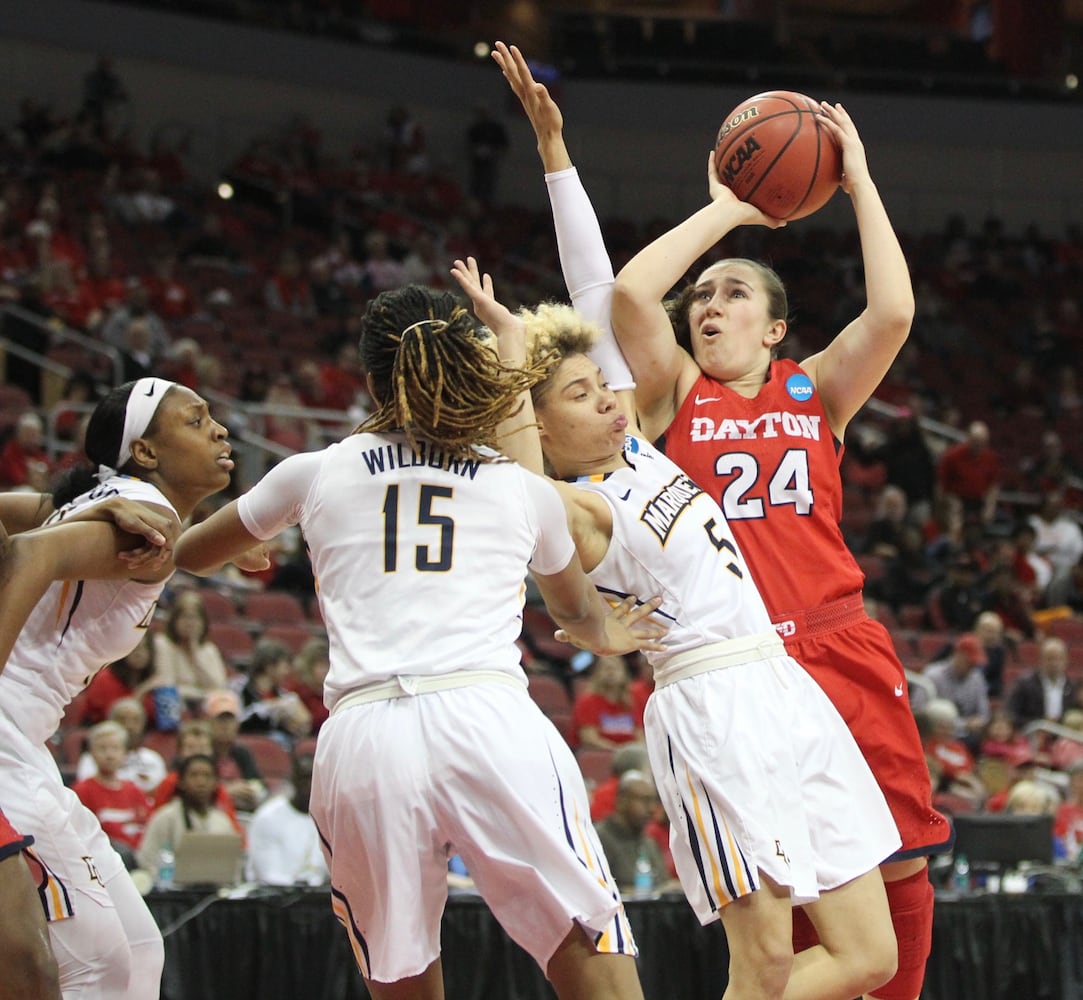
point(773, 153)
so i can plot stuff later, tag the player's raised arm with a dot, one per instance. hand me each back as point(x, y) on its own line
point(849, 369)
point(516, 438)
point(584, 260)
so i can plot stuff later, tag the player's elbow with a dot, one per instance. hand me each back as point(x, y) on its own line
point(893, 320)
point(625, 295)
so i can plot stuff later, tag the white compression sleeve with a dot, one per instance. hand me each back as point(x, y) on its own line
point(588, 272)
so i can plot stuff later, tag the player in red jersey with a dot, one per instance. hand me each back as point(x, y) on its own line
point(764, 436)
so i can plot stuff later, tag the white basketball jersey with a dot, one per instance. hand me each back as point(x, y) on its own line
point(76, 628)
point(670, 538)
point(420, 559)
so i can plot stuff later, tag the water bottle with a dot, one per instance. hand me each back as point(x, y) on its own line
point(167, 863)
point(167, 708)
point(644, 876)
point(960, 873)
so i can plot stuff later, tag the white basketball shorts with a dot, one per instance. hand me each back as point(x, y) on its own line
point(69, 842)
point(758, 773)
point(401, 785)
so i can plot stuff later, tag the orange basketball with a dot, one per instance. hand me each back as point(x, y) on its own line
point(773, 153)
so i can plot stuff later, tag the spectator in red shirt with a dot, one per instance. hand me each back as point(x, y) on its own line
point(134, 676)
point(121, 806)
point(970, 470)
point(69, 299)
point(62, 244)
point(342, 379)
point(170, 297)
point(1002, 740)
point(630, 757)
point(1022, 766)
point(77, 399)
point(1066, 752)
point(951, 764)
point(266, 705)
point(105, 285)
point(605, 714)
point(194, 737)
point(24, 462)
point(310, 667)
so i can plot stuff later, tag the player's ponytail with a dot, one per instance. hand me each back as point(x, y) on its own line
point(102, 441)
point(434, 372)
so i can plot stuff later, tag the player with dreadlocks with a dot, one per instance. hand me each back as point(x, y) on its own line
point(421, 536)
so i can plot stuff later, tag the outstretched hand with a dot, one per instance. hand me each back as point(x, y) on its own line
point(255, 559)
point(855, 166)
point(540, 108)
point(506, 327)
point(720, 192)
point(628, 628)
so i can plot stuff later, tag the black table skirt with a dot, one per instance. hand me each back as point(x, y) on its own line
point(287, 945)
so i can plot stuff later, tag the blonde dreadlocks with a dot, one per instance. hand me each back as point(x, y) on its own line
point(435, 376)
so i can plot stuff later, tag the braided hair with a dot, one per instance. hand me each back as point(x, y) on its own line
point(435, 374)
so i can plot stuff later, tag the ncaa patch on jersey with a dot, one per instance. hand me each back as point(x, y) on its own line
point(800, 388)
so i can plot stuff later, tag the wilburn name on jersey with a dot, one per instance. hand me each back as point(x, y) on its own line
point(401, 456)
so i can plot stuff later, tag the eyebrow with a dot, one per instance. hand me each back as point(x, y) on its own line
point(725, 280)
point(587, 380)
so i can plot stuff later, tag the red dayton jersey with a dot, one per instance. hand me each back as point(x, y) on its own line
point(772, 458)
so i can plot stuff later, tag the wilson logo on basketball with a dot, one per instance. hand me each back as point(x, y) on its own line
point(745, 116)
point(738, 160)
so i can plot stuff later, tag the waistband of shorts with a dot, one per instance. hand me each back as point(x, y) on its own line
point(848, 610)
point(719, 656)
point(409, 685)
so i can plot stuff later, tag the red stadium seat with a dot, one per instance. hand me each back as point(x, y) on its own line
point(234, 642)
point(294, 636)
point(274, 606)
point(163, 743)
point(549, 693)
point(272, 758)
point(595, 763)
point(564, 725)
point(538, 629)
point(219, 607)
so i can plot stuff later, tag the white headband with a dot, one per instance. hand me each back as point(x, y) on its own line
point(143, 401)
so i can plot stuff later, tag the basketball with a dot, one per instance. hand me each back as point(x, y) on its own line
point(773, 153)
